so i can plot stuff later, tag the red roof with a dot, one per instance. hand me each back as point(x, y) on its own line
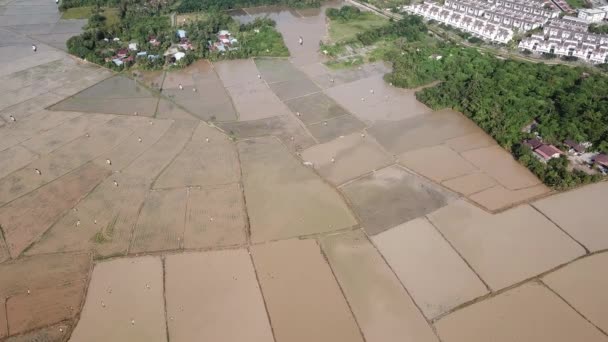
point(533, 143)
point(601, 159)
point(575, 146)
point(547, 151)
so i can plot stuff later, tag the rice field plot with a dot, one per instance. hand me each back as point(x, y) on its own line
point(206, 100)
point(133, 146)
point(284, 198)
point(65, 159)
point(329, 78)
point(27, 218)
point(333, 128)
point(126, 295)
point(234, 72)
point(55, 284)
point(161, 222)
point(215, 217)
point(391, 196)
point(346, 158)
point(169, 110)
point(151, 163)
point(14, 133)
point(254, 100)
point(102, 222)
point(207, 293)
point(286, 128)
point(15, 158)
point(294, 88)
point(115, 95)
point(273, 70)
point(374, 101)
point(422, 131)
point(54, 138)
point(210, 158)
point(315, 108)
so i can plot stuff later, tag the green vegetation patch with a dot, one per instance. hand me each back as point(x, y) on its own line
point(110, 13)
point(346, 27)
point(578, 3)
point(186, 6)
point(501, 96)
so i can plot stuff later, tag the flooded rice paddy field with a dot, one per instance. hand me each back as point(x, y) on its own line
point(271, 192)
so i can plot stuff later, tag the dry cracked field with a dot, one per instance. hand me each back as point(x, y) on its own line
point(306, 204)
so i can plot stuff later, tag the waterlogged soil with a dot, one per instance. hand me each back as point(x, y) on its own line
point(391, 196)
point(285, 198)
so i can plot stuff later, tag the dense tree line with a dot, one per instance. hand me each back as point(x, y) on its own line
point(503, 96)
point(345, 13)
point(187, 6)
point(598, 28)
point(411, 28)
point(65, 4)
point(140, 21)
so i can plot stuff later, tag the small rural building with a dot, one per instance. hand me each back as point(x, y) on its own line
point(122, 53)
point(179, 55)
point(118, 61)
point(181, 34)
point(574, 147)
point(133, 46)
point(533, 143)
point(601, 160)
point(547, 152)
point(592, 15)
point(152, 40)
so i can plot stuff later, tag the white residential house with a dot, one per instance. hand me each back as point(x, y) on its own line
point(592, 15)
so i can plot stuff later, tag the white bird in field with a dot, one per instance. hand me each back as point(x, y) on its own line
point(180, 87)
point(292, 138)
point(38, 171)
point(298, 113)
point(371, 91)
point(108, 161)
point(87, 135)
point(207, 139)
point(362, 135)
point(194, 90)
point(12, 118)
point(135, 113)
point(324, 123)
point(115, 183)
point(78, 223)
point(333, 160)
point(56, 1)
point(34, 48)
point(139, 139)
point(332, 80)
point(363, 99)
point(259, 76)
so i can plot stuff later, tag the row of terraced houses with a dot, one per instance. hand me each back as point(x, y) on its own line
point(493, 20)
point(569, 36)
point(499, 20)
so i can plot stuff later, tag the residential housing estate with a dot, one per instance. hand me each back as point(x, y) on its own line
point(569, 36)
point(493, 20)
